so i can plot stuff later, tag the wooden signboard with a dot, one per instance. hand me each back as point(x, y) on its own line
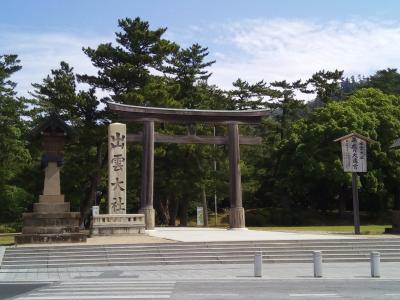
point(354, 154)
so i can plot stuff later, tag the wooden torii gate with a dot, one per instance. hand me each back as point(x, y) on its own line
point(149, 115)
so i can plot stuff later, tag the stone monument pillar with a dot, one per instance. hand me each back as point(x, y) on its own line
point(51, 219)
point(117, 168)
point(117, 221)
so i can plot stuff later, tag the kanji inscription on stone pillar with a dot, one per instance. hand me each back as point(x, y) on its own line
point(117, 168)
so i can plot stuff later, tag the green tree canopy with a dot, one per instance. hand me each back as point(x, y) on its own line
point(311, 172)
point(14, 156)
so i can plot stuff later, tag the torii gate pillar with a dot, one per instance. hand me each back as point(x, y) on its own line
point(236, 211)
point(147, 186)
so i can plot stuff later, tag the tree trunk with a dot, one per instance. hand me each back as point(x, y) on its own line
point(396, 205)
point(173, 211)
point(183, 212)
point(342, 205)
point(205, 210)
point(162, 210)
point(90, 197)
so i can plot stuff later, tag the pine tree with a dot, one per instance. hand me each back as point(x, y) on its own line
point(14, 155)
point(189, 69)
point(327, 85)
point(126, 69)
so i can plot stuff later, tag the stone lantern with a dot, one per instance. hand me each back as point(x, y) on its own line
point(51, 219)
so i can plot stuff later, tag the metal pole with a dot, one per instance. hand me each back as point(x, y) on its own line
point(375, 264)
point(317, 259)
point(258, 264)
point(215, 189)
point(356, 206)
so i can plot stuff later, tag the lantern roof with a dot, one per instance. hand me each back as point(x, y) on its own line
point(51, 126)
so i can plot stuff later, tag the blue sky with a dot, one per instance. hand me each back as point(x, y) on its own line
point(252, 39)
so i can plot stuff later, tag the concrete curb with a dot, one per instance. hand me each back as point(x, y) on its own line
point(2, 251)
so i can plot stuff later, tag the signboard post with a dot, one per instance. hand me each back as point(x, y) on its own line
point(354, 157)
point(200, 216)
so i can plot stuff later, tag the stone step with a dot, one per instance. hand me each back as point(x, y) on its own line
point(187, 262)
point(52, 215)
point(51, 199)
point(52, 260)
point(184, 246)
point(134, 255)
point(51, 207)
point(234, 243)
point(49, 230)
point(185, 253)
point(52, 238)
point(51, 219)
point(101, 249)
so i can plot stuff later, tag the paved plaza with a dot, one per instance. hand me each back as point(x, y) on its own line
point(350, 280)
point(201, 271)
point(279, 281)
point(198, 234)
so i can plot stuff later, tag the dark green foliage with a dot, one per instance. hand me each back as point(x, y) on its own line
point(311, 172)
point(282, 217)
point(326, 85)
point(250, 96)
point(124, 69)
point(388, 81)
point(188, 68)
point(14, 156)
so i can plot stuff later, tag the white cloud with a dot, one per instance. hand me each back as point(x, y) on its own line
point(278, 49)
point(41, 52)
point(269, 49)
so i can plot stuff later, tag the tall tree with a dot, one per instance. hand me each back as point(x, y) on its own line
point(388, 81)
point(126, 69)
point(327, 85)
point(286, 103)
point(189, 68)
point(14, 155)
point(250, 96)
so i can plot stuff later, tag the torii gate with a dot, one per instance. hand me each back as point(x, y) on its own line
point(149, 115)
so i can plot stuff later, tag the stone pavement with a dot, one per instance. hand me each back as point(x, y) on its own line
point(186, 272)
point(110, 240)
point(198, 234)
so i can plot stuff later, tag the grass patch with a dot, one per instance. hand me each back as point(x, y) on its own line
point(366, 229)
point(7, 228)
point(222, 220)
point(6, 240)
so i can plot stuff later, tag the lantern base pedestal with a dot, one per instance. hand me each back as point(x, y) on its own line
point(50, 222)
